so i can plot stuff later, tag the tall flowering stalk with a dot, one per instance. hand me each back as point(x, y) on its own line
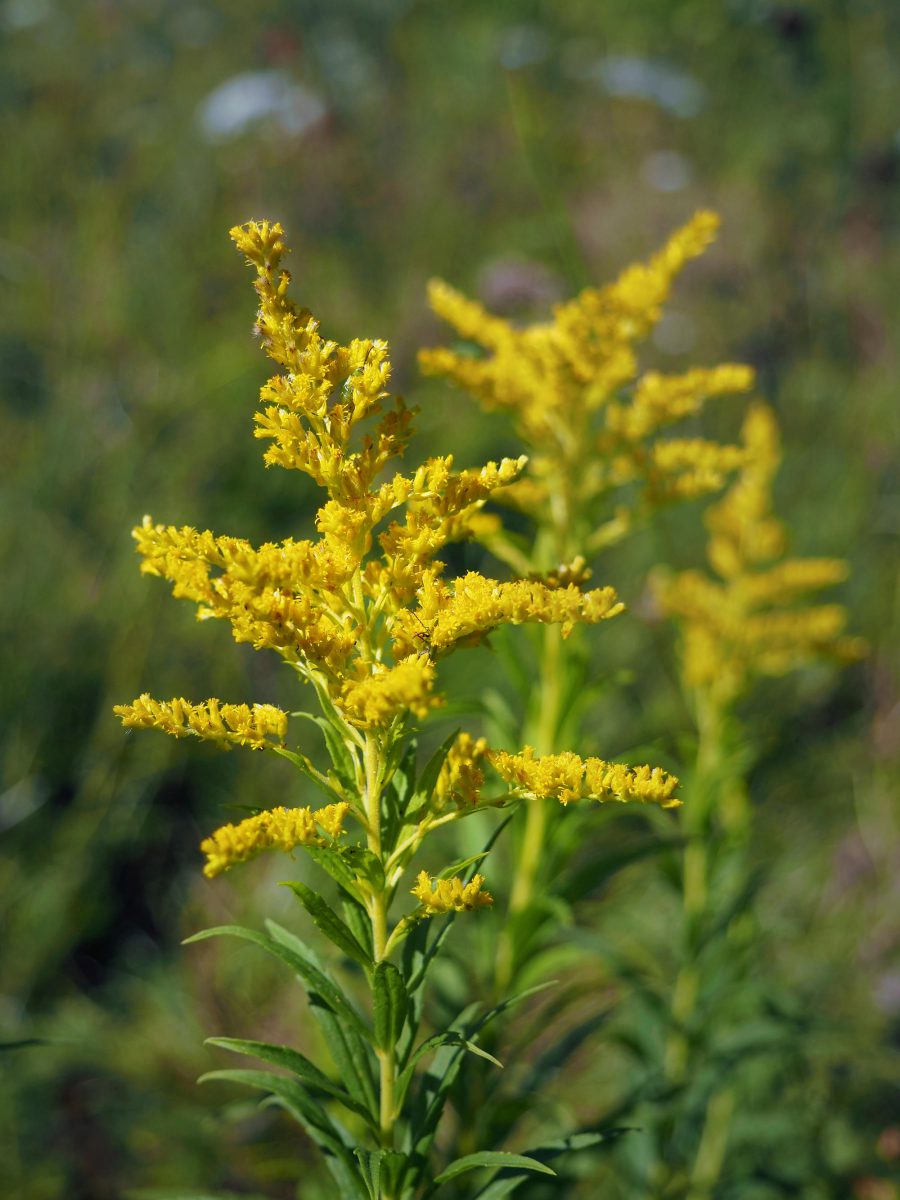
point(363, 615)
point(601, 462)
point(753, 617)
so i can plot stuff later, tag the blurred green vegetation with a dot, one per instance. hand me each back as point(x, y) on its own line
point(518, 149)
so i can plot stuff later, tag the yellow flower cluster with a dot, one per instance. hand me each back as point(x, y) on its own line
point(746, 622)
point(470, 607)
point(554, 376)
point(227, 724)
point(390, 692)
point(362, 611)
point(461, 778)
point(566, 777)
point(341, 608)
point(441, 896)
point(278, 829)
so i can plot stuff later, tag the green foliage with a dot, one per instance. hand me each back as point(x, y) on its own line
point(483, 145)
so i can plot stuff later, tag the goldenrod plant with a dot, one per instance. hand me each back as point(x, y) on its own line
point(363, 615)
point(721, 1044)
point(601, 463)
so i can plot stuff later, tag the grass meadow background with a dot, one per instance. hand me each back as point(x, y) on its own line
point(519, 150)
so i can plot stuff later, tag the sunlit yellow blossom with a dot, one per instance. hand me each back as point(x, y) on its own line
point(227, 724)
point(472, 606)
point(661, 400)
point(682, 468)
point(361, 611)
point(554, 376)
point(461, 777)
point(746, 622)
point(566, 777)
point(276, 829)
point(376, 700)
point(440, 896)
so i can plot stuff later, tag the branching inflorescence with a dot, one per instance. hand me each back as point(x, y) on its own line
point(748, 622)
point(364, 614)
point(592, 421)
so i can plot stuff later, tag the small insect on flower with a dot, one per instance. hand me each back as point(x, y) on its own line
point(424, 636)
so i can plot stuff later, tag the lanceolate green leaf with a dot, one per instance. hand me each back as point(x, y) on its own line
point(492, 1158)
point(457, 868)
point(312, 978)
point(329, 922)
point(398, 791)
point(292, 1060)
point(452, 1037)
point(341, 758)
point(437, 1082)
point(360, 926)
point(301, 761)
point(352, 1054)
point(293, 1096)
point(427, 781)
point(333, 860)
point(390, 1005)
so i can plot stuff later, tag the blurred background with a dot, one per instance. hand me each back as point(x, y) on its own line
point(519, 150)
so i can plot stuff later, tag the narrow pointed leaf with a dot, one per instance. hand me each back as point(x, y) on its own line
point(341, 758)
point(301, 761)
point(352, 1055)
point(329, 922)
point(298, 1064)
point(390, 1005)
point(427, 781)
point(495, 1159)
point(331, 1140)
point(440, 1078)
point(334, 861)
point(457, 868)
point(450, 1037)
point(313, 979)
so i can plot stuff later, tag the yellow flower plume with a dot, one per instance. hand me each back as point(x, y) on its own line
point(746, 622)
point(341, 608)
point(227, 724)
point(472, 606)
point(441, 896)
point(553, 376)
point(277, 829)
point(566, 777)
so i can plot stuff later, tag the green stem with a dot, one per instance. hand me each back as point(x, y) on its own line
point(695, 882)
point(378, 914)
point(713, 1144)
point(709, 794)
point(536, 808)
